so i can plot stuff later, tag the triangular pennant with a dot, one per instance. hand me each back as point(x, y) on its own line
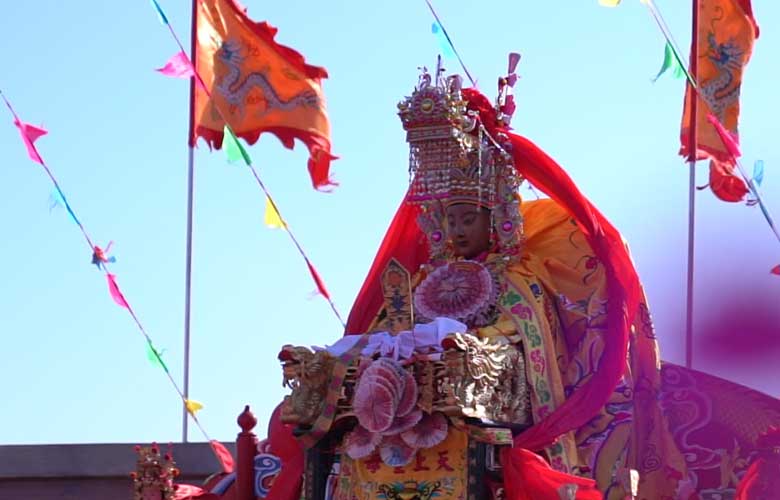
point(178, 66)
point(193, 406)
point(233, 149)
point(116, 294)
point(30, 134)
point(272, 218)
point(154, 356)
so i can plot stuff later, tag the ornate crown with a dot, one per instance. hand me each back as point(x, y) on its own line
point(453, 158)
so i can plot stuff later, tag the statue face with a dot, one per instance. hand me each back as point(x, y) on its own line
point(468, 226)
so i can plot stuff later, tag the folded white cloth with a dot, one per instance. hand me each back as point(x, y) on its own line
point(404, 344)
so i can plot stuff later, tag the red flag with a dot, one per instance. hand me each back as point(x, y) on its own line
point(258, 86)
point(725, 38)
point(223, 455)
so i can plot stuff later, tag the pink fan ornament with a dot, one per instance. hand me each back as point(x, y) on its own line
point(431, 431)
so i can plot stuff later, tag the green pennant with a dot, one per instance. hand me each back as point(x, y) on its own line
point(154, 356)
point(668, 58)
point(671, 60)
point(234, 150)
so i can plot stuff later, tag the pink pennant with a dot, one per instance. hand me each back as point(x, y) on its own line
point(30, 133)
point(775, 270)
point(116, 294)
point(730, 141)
point(178, 66)
point(224, 456)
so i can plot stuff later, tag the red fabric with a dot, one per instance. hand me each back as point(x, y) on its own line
point(622, 282)
point(725, 184)
point(282, 443)
point(404, 242)
point(762, 479)
point(224, 456)
point(730, 141)
point(287, 485)
point(528, 477)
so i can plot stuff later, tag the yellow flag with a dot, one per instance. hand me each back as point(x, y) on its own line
point(193, 406)
point(272, 217)
point(609, 3)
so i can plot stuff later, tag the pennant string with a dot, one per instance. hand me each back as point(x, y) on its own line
point(661, 22)
point(160, 14)
point(49, 173)
point(449, 40)
point(114, 290)
point(315, 276)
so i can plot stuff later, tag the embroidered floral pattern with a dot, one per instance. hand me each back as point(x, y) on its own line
point(528, 327)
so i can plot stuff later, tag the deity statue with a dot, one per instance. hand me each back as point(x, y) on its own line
point(494, 341)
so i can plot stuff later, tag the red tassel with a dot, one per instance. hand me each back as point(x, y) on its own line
point(316, 277)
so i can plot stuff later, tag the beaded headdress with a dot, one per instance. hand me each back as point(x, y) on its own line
point(453, 158)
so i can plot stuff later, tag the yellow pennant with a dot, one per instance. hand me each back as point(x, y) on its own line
point(193, 406)
point(272, 217)
point(609, 3)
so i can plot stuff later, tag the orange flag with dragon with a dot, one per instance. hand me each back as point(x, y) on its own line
point(258, 86)
point(726, 33)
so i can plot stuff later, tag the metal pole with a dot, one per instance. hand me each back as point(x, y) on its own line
point(190, 204)
point(691, 232)
point(692, 182)
point(188, 289)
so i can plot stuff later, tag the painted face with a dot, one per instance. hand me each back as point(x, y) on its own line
point(468, 227)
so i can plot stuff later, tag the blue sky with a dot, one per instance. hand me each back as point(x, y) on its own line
point(74, 367)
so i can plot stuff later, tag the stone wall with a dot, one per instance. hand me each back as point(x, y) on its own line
point(89, 471)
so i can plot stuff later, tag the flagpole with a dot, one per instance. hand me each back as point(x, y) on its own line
point(190, 205)
point(692, 144)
